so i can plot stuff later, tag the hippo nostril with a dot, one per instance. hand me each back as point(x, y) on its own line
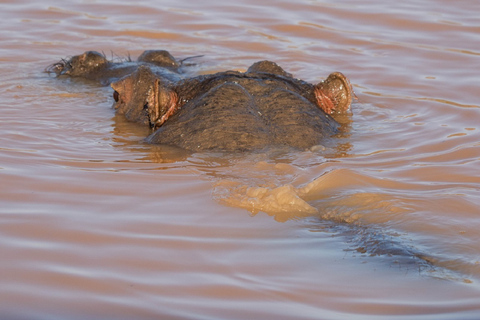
point(115, 96)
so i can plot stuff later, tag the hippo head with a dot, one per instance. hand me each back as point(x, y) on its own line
point(81, 65)
point(143, 98)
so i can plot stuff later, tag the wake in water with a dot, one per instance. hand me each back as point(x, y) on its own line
point(341, 200)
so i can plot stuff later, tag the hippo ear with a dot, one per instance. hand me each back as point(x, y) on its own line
point(153, 104)
point(334, 95)
point(162, 103)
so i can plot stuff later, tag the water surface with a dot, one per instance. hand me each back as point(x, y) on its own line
point(381, 223)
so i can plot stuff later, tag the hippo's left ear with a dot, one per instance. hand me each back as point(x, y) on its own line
point(161, 104)
point(334, 95)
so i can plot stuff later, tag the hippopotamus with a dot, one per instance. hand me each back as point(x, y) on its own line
point(227, 111)
point(92, 65)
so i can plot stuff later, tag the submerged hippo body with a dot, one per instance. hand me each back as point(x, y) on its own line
point(234, 111)
point(226, 111)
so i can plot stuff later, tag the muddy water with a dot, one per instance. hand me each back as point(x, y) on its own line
point(380, 222)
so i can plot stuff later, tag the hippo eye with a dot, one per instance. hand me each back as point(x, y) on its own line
point(115, 96)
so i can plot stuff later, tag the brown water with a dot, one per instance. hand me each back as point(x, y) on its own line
point(382, 223)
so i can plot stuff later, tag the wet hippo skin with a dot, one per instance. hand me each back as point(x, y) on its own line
point(92, 65)
point(227, 111)
point(234, 111)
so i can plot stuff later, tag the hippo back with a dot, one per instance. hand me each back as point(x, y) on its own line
point(240, 114)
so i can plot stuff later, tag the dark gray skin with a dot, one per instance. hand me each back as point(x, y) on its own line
point(227, 111)
point(92, 65)
point(234, 111)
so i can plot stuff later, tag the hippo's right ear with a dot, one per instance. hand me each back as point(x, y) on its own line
point(334, 94)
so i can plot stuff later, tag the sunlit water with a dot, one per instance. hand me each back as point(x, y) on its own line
point(380, 223)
